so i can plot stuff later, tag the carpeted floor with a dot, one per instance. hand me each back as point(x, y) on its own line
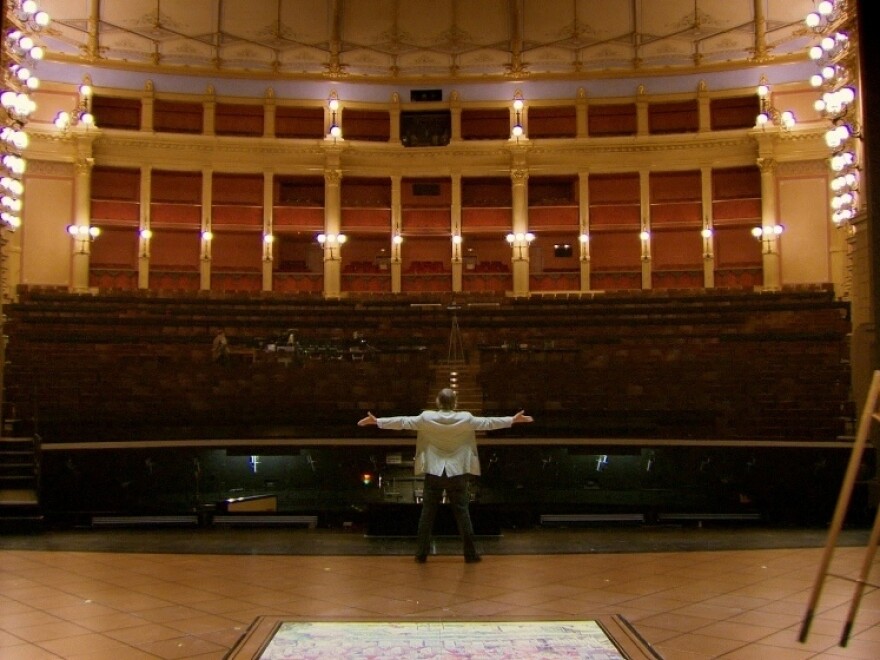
point(608, 638)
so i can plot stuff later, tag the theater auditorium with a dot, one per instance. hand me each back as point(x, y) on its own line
point(232, 229)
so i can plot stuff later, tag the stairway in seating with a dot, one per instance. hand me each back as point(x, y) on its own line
point(19, 475)
point(462, 377)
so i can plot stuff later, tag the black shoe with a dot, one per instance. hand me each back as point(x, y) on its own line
point(421, 559)
point(473, 559)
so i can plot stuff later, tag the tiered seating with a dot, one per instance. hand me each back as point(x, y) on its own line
point(723, 365)
point(668, 364)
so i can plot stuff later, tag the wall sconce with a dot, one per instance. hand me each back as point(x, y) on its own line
point(81, 114)
point(517, 131)
point(335, 130)
point(521, 241)
point(767, 235)
point(397, 239)
point(768, 114)
point(83, 235)
point(331, 241)
point(268, 242)
point(207, 237)
point(145, 236)
point(645, 238)
point(706, 233)
point(584, 241)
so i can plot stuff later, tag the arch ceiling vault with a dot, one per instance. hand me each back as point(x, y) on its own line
point(415, 39)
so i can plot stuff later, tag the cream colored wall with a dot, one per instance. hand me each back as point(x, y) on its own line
point(803, 211)
point(48, 209)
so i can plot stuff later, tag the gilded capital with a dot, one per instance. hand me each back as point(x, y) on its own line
point(519, 176)
point(767, 165)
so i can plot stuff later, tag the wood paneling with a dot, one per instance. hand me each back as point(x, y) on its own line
point(485, 124)
point(117, 113)
point(735, 112)
point(486, 191)
point(673, 117)
point(177, 117)
point(612, 119)
point(552, 122)
point(368, 125)
point(299, 123)
point(239, 119)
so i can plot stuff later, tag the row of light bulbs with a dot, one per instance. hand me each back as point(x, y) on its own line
point(21, 52)
point(517, 238)
point(831, 21)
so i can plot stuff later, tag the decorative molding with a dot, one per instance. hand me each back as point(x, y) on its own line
point(47, 168)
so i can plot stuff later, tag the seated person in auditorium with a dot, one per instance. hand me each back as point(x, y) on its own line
point(446, 453)
point(220, 348)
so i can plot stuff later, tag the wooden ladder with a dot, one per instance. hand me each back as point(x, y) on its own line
point(870, 415)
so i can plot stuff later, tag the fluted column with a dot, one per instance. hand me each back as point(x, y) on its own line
point(519, 177)
point(645, 236)
point(455, 116)
point(584, 222)
point(704, 108)
point(269, 112)
point(396, 227)
point(207, 235)
point(209, 112)
point(268, 233)
point(769, 237)
point(708, 228)
point(582, 116)
point(148, 102)
point(82, 186)
point(144, 228)
point(394, 112)
point(642, 124)
point(332, 223)
point(455, 229)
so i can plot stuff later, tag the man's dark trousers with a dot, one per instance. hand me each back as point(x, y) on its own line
point(459, 496)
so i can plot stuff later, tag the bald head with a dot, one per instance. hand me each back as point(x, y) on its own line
point(446, 399)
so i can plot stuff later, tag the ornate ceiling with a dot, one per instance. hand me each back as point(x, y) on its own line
point(434, 39)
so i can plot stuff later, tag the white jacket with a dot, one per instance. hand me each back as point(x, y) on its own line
point(446, 439)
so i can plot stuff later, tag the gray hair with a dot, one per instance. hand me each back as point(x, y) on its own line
point(446, 399)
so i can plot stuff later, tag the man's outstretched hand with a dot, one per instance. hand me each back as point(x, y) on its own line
point(369, 420)
point(521, 418)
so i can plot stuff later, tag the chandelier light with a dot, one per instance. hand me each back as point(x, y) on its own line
point(518, 104)
point(767, 112)
point(832, 22)
point(21, 53)
point(335, 130)
point(81, 115)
